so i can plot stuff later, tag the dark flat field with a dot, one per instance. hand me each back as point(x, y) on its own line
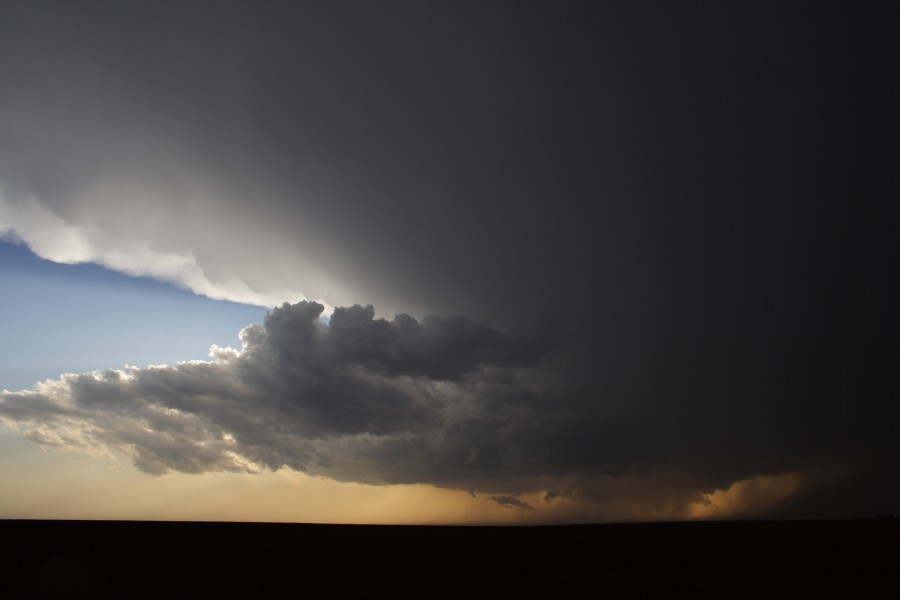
point(114, 559)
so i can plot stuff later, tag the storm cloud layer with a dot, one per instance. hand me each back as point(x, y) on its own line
point(687, 209)
point(446, 401)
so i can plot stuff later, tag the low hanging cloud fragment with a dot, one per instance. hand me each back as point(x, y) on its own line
point(512, 501)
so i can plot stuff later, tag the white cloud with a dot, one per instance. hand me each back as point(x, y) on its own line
point(117, 245)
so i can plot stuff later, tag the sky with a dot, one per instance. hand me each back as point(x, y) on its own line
point(443, 262)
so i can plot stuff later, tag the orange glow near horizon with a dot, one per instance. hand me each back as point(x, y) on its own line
point(63, 485)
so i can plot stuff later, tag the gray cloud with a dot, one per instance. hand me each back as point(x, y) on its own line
point(360, 399)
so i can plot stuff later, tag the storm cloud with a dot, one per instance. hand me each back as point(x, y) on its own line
point(665, 231)
point(447, 401)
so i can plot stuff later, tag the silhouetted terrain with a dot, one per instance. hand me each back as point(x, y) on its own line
point(859, 558)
